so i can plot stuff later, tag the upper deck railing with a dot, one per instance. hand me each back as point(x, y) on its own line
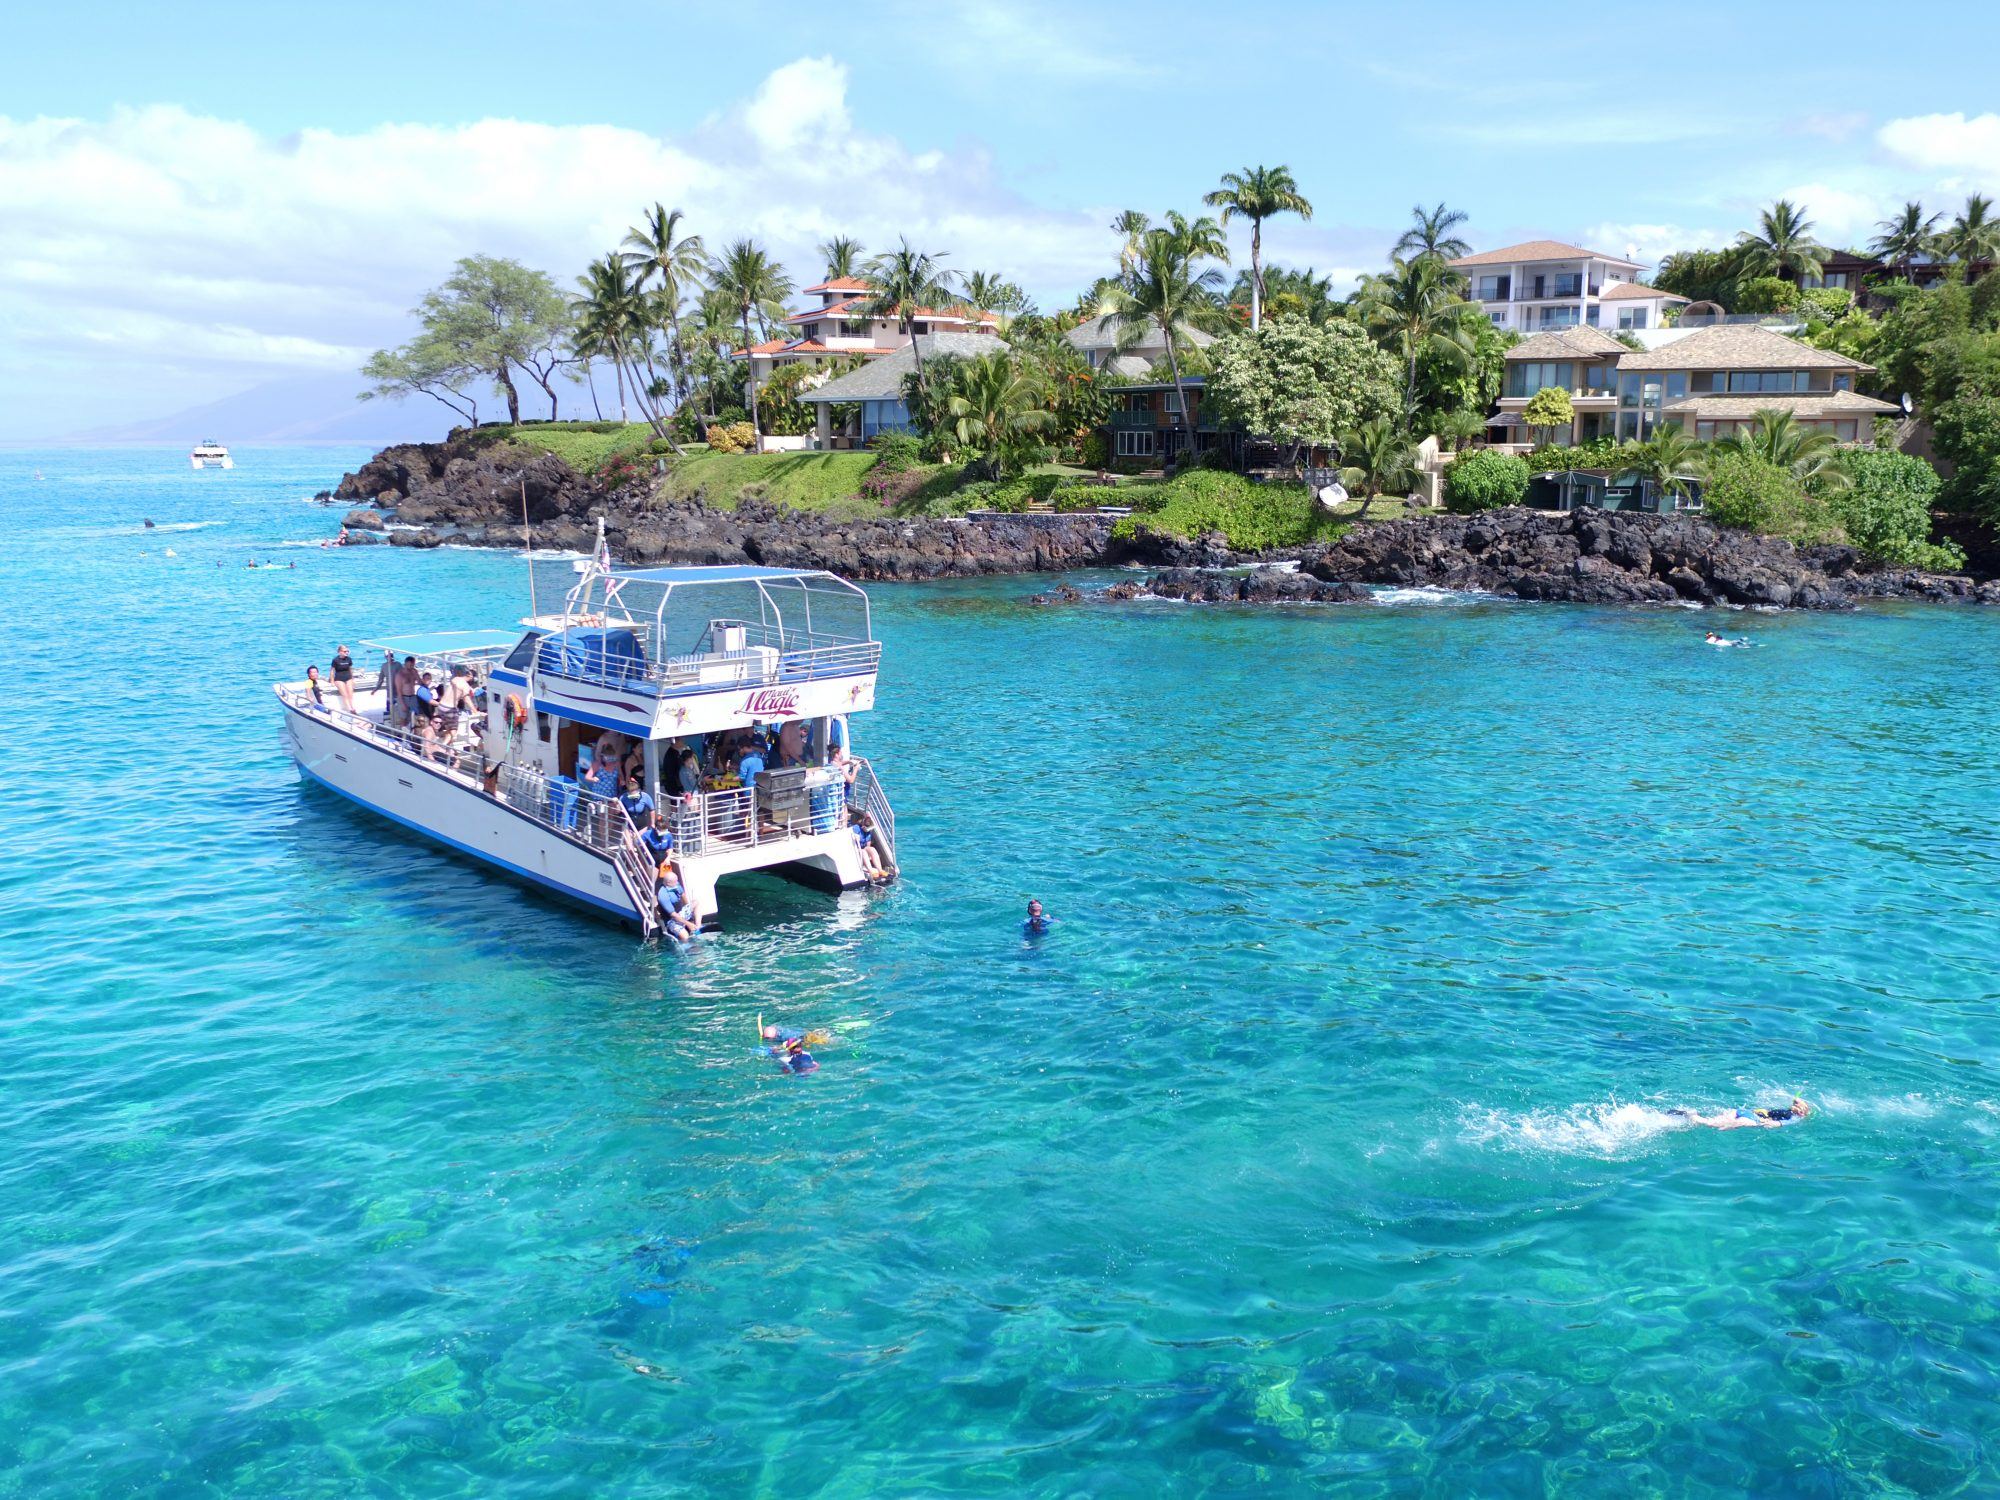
point(766, 657)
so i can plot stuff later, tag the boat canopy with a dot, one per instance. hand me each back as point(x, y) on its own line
point(789, 608)
point(448, 643)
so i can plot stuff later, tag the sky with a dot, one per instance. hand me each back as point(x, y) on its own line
point(200, 198)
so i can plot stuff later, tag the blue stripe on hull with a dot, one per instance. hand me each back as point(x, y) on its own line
point(624, 914)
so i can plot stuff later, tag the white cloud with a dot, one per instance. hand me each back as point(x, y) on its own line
point(156, 251)
point(1965, 147)
point(1647, 243)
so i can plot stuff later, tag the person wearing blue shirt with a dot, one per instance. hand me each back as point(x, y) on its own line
point(654, 838)
point(637, 804)
point(1038, 922)
point(750, 766)
point(676, 911)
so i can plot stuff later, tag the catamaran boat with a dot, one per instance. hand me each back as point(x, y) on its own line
point(666, 657)
point(209, 454)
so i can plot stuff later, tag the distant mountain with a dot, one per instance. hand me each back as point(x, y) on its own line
point(298, 409)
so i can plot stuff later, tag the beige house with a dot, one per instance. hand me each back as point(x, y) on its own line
point(1709, 381)
point(840, 326)
point(1096, 339)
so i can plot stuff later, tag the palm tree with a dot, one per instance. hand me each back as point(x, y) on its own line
point(1414, 309)
point(1434, 233)
point(1380, 458)
point(986, 290)
point(1458, 427)
point(1782, 244)
point(1130, 227)
point(1289, 293)
point(1906, 236)
point(1257, 194)
point(1667, 459)
point(1164, 291)
point(998, 409)
point(673, 262)
point(841, 255)
point(1812, 455)
point(904, 282)
point(611, 321)
point(756, 283)
point(1974, 235)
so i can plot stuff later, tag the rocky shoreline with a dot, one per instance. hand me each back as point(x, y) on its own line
point(435, 493)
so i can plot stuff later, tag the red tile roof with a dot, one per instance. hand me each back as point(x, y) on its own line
point(840, 284)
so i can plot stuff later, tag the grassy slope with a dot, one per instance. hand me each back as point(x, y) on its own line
point(582, 450)
point(827, 482)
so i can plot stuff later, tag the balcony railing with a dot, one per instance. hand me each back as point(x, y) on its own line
point(769, 658)
point(1550, 290)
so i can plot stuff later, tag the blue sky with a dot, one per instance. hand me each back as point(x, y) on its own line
point(199, 198)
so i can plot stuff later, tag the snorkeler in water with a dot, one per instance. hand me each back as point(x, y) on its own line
point(788, 1047)
point(1756, 1119)
point(1038, 921)
point(1722, 640)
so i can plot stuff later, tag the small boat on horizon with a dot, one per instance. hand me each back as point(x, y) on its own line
point(209, 454)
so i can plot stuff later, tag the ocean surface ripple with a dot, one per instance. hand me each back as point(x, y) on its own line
point(1324, 1146)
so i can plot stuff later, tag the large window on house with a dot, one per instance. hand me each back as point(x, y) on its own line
point(1759, 382)
point(1632, 317)
point(1529, 376)
point(1492, 288)
point(1135, 444)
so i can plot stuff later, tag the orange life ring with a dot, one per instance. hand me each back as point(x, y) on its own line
point(517, 711)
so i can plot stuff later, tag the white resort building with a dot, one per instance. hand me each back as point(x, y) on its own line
point(1544, 285)
point(841, 327)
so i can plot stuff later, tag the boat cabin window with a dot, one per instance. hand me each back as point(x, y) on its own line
point(523, 654)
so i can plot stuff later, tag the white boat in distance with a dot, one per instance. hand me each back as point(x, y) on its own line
point(209, 454)
point(658, 655)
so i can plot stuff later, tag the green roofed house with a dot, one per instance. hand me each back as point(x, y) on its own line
point(877, 389)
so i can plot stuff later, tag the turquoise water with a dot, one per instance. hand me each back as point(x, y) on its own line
point(1319, 1149)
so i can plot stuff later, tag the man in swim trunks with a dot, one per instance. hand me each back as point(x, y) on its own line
point(1756, 1119)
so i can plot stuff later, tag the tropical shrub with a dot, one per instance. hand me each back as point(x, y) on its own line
point(1485, 480)
point(1598, 453)
point(732, 437)
point(895, 452)
point(1094, 451)
point(1968, 434)
point(1250, 517)
point(778, 405)
point(1754, 494)
point(1886, 509)
point(1825, 304)
point(1297, 384)
point(1548, 409)
point(1765, 294)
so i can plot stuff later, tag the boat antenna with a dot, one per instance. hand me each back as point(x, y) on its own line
point(528, 548)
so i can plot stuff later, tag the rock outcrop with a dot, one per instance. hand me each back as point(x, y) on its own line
point(464, 490)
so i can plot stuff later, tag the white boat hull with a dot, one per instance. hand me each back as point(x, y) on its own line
point(428, 801)
point(440, 806)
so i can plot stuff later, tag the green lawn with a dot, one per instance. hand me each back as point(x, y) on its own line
point(574, 443)
point(802, 481)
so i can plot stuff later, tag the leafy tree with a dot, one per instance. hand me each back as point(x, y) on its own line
point(1782, 244)
point(1752, 494)
point(841, 256)
point(754, 283)
point(1701, 275)
point(1467, 380)
point(1434, 232)
point(424, 366)
point(1765, 294)
point(1967, 430)
point(903, 281)
point(1549, 410)
point(1301, 386)
point(1974, 235)
point(1886, 509)
point(1380, 457)
point(1289, 293)
point(1821, 305)
point(489, 318)
point(675, 263)
point(783, 413)
point(1485, 480)
point(1809, 455)
point(998, 412)
point(1414, 309)
point(1905, 236)
point(1169, 290)
point(1257, 194)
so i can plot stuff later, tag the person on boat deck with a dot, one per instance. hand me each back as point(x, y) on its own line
point(312, 686)
point(655, 839)
point(610, 748)
point(1755, 1119)
point(1038, 921)
point(425, 704)
point(749, 765)
point(689, 773)
point(791, 743)
point(343, 677)
point(405, 688)
point(638, 806)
